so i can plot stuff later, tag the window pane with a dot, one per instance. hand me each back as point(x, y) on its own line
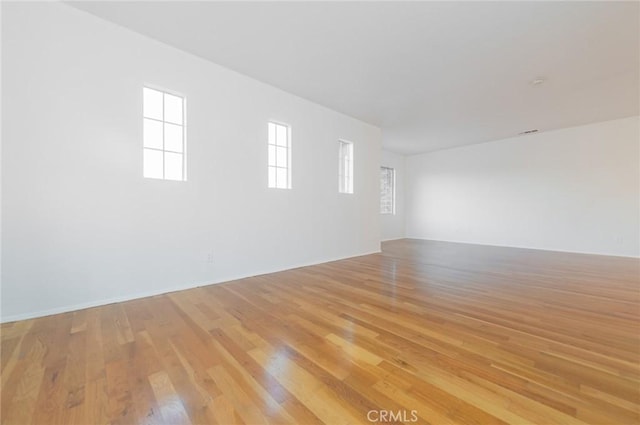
point(272, 133)
point(152, 134)
point(152, 103)
point(152, 164)
point(281, 178)
point(278, 155)
point(272, 177)
point(172, 166)
point(281, 135)
point(173, 137)
point(163, 135)
point(272, 155)
point(345, 167)
point(281, 155)
point(172, 108)
point(387, 196)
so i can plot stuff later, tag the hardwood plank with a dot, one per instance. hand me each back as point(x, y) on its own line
point(171, 406)
point(460, 334)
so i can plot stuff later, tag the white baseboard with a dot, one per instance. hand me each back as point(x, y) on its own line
point(129, 297)
point(95, 303)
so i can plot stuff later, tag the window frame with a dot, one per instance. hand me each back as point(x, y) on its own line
point(392, 188)
point(275, 145)
point(164, 121)
point(346, 163)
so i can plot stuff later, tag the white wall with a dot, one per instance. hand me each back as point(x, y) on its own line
point(392, 226)
point(80, 224)
point(575, 189)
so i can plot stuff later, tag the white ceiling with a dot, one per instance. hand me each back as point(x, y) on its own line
point(432, 75)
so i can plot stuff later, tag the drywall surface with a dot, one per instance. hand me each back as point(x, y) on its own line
point(575, 189)
point(82, 227)
point(392, 225)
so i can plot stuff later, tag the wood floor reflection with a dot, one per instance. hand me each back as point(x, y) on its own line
point(459, 334)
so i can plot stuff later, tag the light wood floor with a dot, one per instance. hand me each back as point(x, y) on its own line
point(459, 333)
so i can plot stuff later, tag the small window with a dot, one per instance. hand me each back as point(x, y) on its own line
point(164, 143)
point(387, 190)
point(345, 167)
point(279, 147)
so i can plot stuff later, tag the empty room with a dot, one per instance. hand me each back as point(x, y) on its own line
point(324, 212)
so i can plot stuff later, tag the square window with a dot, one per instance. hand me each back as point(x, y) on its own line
point(345, 167)
point(279, 156)
point(387, 190)
point(163, 135)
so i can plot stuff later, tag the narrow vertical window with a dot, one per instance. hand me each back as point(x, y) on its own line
point(345, 167)
point(279, 147)
point(387, 190)
point(164, 143)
